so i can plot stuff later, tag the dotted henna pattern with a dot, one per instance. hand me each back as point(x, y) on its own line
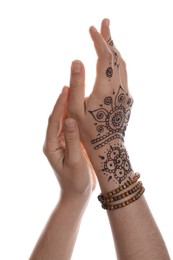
point(115, 163)
point(111, 118)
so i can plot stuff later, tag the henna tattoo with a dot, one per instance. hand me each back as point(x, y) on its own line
point(112, 119)
point(116, 58)
point(109, 72)
point(110, 42)
point(115, 163)
point(106, 139)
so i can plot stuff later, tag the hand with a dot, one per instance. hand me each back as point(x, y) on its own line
point(103, 116)
point(64, 152)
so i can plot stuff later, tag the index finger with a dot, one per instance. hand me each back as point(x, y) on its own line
point(104, 63)
point(118, 63)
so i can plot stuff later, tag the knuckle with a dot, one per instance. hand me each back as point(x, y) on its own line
point(75, 83)
point(72, 137)
point(44, 149)
point(73, 111)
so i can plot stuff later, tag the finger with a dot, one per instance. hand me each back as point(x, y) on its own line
point(72, 141)
point(105, 32)
point(53, 140)
point(118, 60)
point(104, 62)
point(77, 88)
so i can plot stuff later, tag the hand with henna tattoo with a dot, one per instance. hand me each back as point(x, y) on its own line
point(102, 119)
point(103, 116)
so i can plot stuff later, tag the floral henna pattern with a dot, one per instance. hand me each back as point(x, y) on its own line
point(116, 164)
point(112, 119)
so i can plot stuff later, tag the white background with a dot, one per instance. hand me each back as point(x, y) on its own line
point(38, 41)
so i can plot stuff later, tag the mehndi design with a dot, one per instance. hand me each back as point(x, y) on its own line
point(115, 163)
point(116, 59)
point(112, 119)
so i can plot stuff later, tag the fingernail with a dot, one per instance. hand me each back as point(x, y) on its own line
point(69, 124)
point(64, 89)
point(76, 66)
point(93, 29)
point(107, 22)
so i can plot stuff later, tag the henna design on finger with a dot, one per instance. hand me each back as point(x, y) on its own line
point(109, 72)
point(112, 118)
point(116, 58)
point(115, 163)
point(110, 42)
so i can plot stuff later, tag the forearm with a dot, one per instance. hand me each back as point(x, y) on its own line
point(59, 236)
point(136, 235)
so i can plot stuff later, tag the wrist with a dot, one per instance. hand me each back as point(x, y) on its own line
point(73, 206)
point(111, 164)
point(75, 199)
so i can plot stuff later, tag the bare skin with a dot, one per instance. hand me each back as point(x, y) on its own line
point(102, 119)
point(64, 151)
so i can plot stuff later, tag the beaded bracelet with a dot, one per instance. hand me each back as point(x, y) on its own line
point(128, 183)
point(110, 197)
point(125, 203)
point(123, 195)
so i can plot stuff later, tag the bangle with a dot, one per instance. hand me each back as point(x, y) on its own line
point(109, 198)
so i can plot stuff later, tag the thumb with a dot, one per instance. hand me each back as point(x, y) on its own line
point(72, 141)
point(77, 88)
